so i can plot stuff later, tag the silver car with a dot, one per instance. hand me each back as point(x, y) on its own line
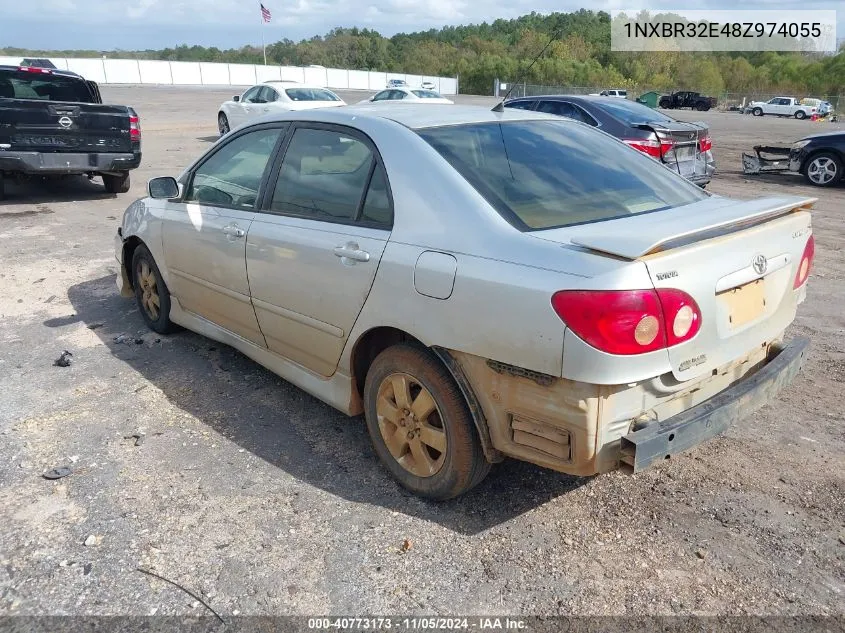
point(478, 284)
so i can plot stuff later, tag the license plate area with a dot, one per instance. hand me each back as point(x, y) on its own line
point(744, 303)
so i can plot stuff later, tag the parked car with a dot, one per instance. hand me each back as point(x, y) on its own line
point(408, 95)
point(622, 94)
point(428, 85)
point(53, 123)
point(781, 106)
point(397, 83)
point(682, 147)
point(686, 99)
point(270, 97)
point(820, 158)
point(478, 284)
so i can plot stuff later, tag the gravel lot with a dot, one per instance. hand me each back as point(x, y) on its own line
point(262, 500)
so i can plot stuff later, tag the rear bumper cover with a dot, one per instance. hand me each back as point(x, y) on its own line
point(68, 163)
point(659, 441)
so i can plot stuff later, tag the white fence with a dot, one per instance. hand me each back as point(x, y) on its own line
point(134, 71)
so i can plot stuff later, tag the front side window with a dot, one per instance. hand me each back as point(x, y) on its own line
point(251, 95)
point(521, 105)
point(232, 176)
point(546, 174)
point(323, 176)
point(382, 96)
point(311, 94)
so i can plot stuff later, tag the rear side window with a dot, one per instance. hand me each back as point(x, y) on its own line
point(546, 174)
point(310, 94)
point(323, 176)
point(426, 94)
point(29, 85)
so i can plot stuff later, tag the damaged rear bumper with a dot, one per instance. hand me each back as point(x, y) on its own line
point(681, 432)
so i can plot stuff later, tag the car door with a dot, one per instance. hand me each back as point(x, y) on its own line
point(253, 103)
point(313, 251)
point(204, 233)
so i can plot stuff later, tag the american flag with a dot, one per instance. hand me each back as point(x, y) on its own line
point(265, 13)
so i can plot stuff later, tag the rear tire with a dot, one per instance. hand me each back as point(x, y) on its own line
point(2, 187)
point(800, 114)
point(117, 184)
point(151, 292)
point(420, 424)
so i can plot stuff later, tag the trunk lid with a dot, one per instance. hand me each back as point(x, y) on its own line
point(686, 156)
point(31, 125)
point(738, 260)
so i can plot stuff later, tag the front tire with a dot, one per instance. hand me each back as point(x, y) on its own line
point(757, 112)
point(823, 169)
point(223, 124)
point(420, 425)
point(151, 292)
point(117, 184)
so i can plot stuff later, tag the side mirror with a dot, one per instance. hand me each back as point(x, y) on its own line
point(236, 98)
point(163, 188)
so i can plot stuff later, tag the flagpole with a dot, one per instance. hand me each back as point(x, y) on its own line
point(263, 45)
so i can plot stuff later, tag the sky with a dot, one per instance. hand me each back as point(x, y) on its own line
point(141, 24)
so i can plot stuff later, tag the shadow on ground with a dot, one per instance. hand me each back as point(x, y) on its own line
point(209, 139)
point(288, 428)
point(66, 189)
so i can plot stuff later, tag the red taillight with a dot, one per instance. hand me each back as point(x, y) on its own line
point(33, 69)
point(651, 146)
point(628, 322)
point(806, 263)
point(705, 144)
point(134, 128)
point(681, 314)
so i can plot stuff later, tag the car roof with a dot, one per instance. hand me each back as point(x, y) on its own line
point(412, 116)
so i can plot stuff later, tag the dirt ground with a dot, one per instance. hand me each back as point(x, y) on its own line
point(262, 500)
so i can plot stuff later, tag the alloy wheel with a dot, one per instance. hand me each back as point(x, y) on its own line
point(150, 300)
point(822, 170)
point(411, 425)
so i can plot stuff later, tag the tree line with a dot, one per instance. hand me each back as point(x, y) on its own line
point(580, 55)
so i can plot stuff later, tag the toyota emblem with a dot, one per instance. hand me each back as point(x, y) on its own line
point(760, 264)
point(65, 122)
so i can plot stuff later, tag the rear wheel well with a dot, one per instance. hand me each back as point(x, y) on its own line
point(129, 246)
point(370, 345)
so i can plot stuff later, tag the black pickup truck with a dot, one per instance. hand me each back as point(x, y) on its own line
point(54, 123)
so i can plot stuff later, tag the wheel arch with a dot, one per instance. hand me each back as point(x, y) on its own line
point(822, 150)
point(374, 341)
point(130, 244)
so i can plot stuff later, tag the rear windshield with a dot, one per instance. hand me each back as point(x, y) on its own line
point(631, 112)
point(29, 85)
point(310, 94)
point(427, 94)
point(547, 174)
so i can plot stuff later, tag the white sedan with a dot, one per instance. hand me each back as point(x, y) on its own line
point(408, 95)
point(273, 97)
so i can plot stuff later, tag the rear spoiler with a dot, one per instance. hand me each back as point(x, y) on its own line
point(635, 236)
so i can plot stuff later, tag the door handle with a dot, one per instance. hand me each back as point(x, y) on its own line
point(351, 251)
point(233, 230)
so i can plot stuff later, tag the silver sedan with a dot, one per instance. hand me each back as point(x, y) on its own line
point(478, 284)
